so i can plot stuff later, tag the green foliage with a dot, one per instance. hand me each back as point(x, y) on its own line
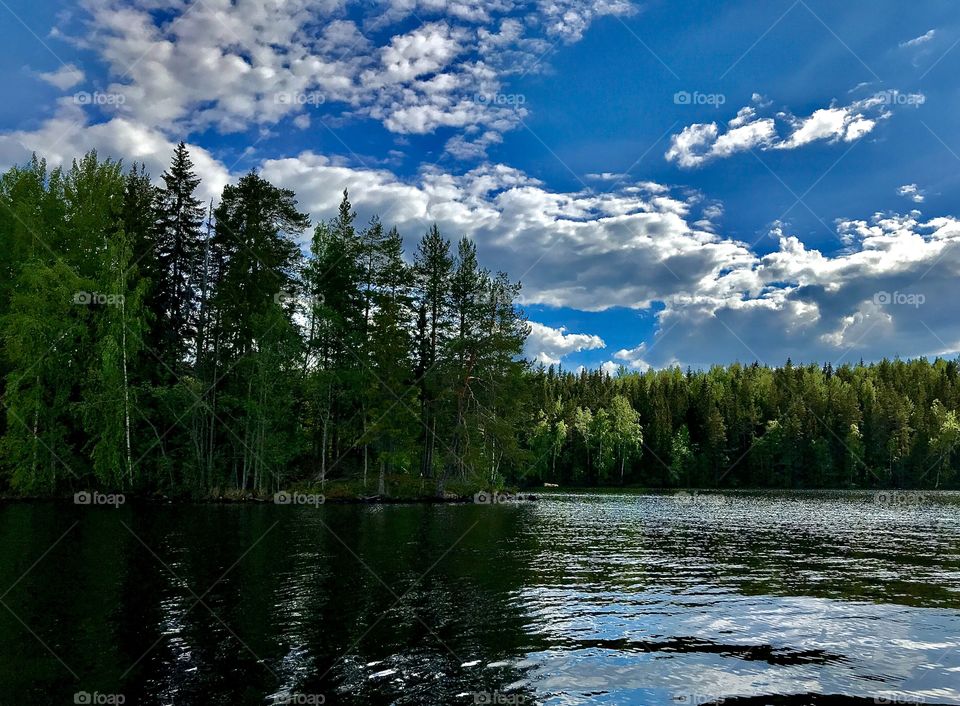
point(144, 349)
point(892, 423)
point(215, 356)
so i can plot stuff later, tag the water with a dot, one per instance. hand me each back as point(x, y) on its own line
point(588, 598)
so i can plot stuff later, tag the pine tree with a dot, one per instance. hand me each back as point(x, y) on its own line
point(179, 259)
point(258, 258)
point(337, 328)
point(433, 269)
point(391, 396)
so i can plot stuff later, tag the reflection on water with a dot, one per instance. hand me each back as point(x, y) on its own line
point(613, 599)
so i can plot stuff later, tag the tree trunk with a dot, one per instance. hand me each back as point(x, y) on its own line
point(36, 427)
point(323, 443)
point(126, 391)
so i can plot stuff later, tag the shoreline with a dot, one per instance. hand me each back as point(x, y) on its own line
point(337, 496)
point(250, 499)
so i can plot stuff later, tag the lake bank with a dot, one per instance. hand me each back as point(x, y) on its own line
point(336, 494)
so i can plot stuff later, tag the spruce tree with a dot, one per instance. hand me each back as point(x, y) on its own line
point(179, 258)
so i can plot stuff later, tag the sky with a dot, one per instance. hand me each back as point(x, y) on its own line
point(674, 183)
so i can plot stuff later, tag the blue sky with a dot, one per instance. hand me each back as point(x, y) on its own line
point(674, 182)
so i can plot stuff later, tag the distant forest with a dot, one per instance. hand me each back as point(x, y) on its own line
point(152, 343)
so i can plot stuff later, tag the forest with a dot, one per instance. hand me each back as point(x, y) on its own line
point(151, 343)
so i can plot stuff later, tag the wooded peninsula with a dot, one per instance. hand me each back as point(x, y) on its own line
point(153, 344)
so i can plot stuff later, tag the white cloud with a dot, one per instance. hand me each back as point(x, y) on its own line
point(67, 76)
point(633, 358)
point(858, 128)
point(912, 192)
point(580, 249)
point(464, 147)
point(236, 65)
point(610, 368)
point(824, 124)
point(744, 137)
point(68, 135)
point(549, 345)
point(691, 146)
point(605, 176)
point(889, 293)
point(922, 39)
point(425, 50)
point(846, 123)
point(699, 143)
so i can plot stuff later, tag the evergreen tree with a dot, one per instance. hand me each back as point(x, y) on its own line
point(256, 223)
point(178, 257)
point(433, 270)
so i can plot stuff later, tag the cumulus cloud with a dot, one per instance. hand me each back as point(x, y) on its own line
point(549, 345)
point(231, 65)
point(845, 123)
point(887, 294)
point(912, 192)
point(722, 301)
point(610, 368)
point(633, 358)
point(580, 249)
point(699, 143)
point(69, 135)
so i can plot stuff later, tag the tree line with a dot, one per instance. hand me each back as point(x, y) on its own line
point(887, 424)
point(153, 343)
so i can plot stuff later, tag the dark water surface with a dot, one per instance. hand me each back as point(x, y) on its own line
point(608, 599)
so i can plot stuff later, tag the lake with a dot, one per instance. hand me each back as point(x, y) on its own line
point(602, 598)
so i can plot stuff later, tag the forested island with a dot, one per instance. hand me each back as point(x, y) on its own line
point(157, 345)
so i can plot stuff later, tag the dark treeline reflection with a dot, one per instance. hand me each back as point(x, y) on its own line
point(204, 605)
point(151, 343)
